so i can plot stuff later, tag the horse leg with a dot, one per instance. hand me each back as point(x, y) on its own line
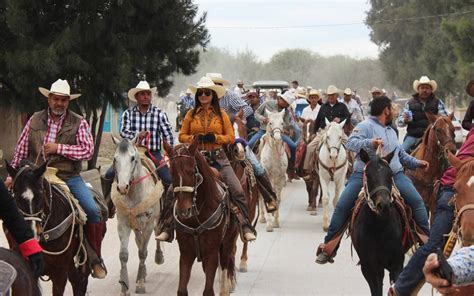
point(261, 207)
point(185, 265)
point(78, 279)
point(227, 261)
point(159, 258)
point(124, 235)
point(142, 244)
point(59, 280)
point(339, 186)
point(209, 265)
point(276, 214)
point(324, 192)
point(373, 278)
point(243, 259)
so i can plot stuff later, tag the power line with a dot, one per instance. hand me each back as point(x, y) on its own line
point(337, 25)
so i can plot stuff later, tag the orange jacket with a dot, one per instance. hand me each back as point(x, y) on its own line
point(207, 121)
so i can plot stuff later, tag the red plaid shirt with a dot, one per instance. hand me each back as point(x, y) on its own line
point(83, 150)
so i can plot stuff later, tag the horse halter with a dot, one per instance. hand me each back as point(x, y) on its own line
point(441, 144)
point(369, 194)
point(277, 129)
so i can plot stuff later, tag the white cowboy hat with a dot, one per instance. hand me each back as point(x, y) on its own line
point(425, 80)
point(300, 93)
point(217, 78)
point(141, 86)
point(348, 91)
point(59, 87)
point(375, 89)
point(206, 82)
point(314, 92)
point(332, 90)
point(287, 97)
point(239, 82)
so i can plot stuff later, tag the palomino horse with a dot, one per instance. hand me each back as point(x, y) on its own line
point(438, 138)
point(377, 227)
point(274, 159)
point(332, 165)
point(204, 228)
point(53, 219)
point(24, 283)
point(137, 199)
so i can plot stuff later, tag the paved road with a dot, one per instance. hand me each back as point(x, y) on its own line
point(280, 263)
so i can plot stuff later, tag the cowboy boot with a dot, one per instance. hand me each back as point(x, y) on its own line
point(165, 226)
point(95, 234)
point(291, 171)
point(326, 252)
point(247, 232)
point(269, 196)
point(107, 188)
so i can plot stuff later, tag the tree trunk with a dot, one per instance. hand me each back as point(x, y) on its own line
point(98, 138)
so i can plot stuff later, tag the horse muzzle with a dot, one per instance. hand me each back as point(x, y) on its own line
point(123, 189)
point(184, 213)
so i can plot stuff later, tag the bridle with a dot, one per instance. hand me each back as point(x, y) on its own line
point(369, 194)
point(440, 144)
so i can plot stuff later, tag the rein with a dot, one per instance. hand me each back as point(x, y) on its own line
point(457, 222)
point(333, 169)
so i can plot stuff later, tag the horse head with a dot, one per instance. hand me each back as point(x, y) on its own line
point(464, 200)
point(275, 124)
point(378, 182)
point(333, 138)
point(126, 164)
point(444, 131)
point(28, 192)
point(238, 149)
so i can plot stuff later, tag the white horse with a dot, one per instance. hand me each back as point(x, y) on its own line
point(274, 160)
point(332, 165)
point(137, 199)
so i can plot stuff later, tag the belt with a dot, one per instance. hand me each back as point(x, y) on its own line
point(212, 153)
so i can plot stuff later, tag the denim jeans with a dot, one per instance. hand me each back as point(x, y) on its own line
point(349, 196)
point(412, 274)
point(257, 166)
point(408, 143)
point(296, 132)
point(163, 172)
point(285, 139)
point(81, 192)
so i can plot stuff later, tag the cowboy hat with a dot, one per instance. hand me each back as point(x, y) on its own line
point(301, 93)
point(59, 87)
point(348, 91)
point(206, 82)
point(375, 90)
point(425, 80)
point(239, 82)
point(188, 91)
point(288, 97)
point(314, 92)
point(141, 86)
point(332, 90)
point(217, 78)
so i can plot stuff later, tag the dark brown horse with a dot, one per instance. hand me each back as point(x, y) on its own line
point(44, 208)
point(204, 228)
point(438, 138)
point(25, 283)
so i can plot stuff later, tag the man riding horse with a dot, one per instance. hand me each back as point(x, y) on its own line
point(212, 127)
point(369, 135)
point(413, 115)
point(63, 139)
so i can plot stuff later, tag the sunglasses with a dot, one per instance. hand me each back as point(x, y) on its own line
point(205, 92)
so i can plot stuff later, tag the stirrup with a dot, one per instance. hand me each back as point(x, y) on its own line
point(271, 206)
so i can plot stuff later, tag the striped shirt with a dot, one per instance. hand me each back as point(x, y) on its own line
point(231, 102)
point(83, 150)
point(154, 120)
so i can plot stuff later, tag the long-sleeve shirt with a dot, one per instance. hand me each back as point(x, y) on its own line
point(466, 151)
point(154, 120)
point(362, 137)
point(401, 118)
point(462, 263)
point(330, 112)
point(273, 107)
point(207, 121)
point(354, 109)
point(467, 123)
point(231, 102)
point(83, 150)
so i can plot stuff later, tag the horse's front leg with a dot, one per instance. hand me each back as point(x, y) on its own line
point(339, 186)
point(209, 265)
point(243, 258)
point(124, 235)
point(261, 208)
point(142, 240)
point(325, 197)
point(59, 280)
point(186, 261)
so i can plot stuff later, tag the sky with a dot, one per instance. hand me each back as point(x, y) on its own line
point(352, 40)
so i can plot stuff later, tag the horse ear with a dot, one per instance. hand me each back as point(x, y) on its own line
point(341, 124)
point(327, 121)
point(388, 157)
point(454, 161)
point(194, 145)
point(134, 140)
point(451, 116)
point(168, 148)
point(38, 172)
point(431, 117)
point(364, 156)
point(11, 170)
point(115, 140)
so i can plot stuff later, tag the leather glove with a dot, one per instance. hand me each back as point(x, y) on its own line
point(201, 138)
point(210, 137)
point(37, 264)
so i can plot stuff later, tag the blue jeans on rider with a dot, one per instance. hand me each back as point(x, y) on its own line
point(296, 132)
point(257, 166)
point(412, 274)
point(350, 194)
point(163, 172)
point(285, 139)
point(408, 143)
point(81, 192)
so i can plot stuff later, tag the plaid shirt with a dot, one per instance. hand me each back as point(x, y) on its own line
point(153, 120)
point(83, 150)
point(401, 118)
point(232, 103)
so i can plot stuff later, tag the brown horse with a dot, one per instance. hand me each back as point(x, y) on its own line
point(204, 228)
point(438, 138)
point(25, 283)
point(312, 179)
point(45, 208)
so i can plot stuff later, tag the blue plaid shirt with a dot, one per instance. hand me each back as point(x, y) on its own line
point(154, 120)
point(462, 262)
point(231, 102)
point(187, 101)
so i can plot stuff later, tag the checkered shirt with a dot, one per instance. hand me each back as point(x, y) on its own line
point(232, 103)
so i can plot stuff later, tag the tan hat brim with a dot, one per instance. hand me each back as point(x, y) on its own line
point(133, 91)
point(45, 92)
point(432, 83)
point(220, 91)
point(220, 80)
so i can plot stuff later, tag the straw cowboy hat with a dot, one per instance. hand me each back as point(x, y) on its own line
point(332, 90)
point(59, 87)
point(287, 97)
point(375, 90)
point(206, 82)
point(141, 86)
point(348, 91)
point(425, 80)
point(217, 78)
point(301, 93)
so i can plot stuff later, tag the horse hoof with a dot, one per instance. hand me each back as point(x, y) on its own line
point(124, 293)
point(309, 208)
point(243, 269)
point(159, 258)
point(313, 213)
point(269, 228)
point(140, 290)
point(262, 220)
point(276, 224)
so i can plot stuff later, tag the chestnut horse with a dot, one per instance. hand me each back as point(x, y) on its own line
point(204, 228)
point(45, 208)
point(438, 138)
